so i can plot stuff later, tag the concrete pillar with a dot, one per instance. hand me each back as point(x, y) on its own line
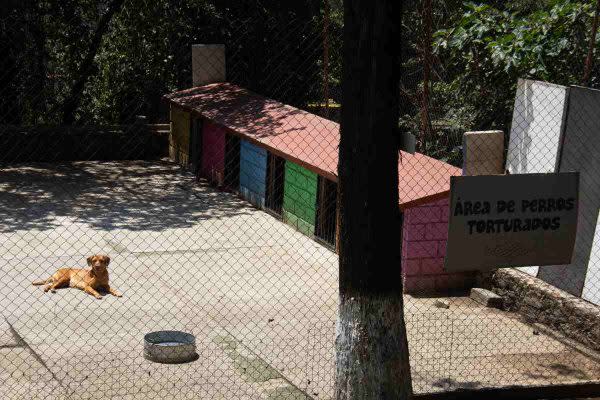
point(483, 153)
point(208, 64)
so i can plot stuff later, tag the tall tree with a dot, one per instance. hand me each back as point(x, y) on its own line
point(86, 68)
point(590, 56)
point(371, 345)
point(426, 128)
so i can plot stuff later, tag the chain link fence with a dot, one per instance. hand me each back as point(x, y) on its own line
point(196, 145)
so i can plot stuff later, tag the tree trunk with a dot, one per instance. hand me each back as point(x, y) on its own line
point(37, 58)
point(587, 73)
point(371, 345)
point(87, 64)
point(325, 105)
point(426, 43)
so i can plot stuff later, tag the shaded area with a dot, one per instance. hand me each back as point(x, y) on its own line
point(75, 143)
point(133, 195)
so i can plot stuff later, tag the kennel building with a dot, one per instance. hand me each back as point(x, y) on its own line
point(284, 160)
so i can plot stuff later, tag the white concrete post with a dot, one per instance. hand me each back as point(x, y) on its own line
point(208, 64)
point(483, 153)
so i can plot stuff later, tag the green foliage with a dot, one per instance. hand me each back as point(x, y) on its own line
point(480, 50)
point(146, 53)
point(487, 49)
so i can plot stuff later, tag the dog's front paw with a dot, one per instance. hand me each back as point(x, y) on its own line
point(98, 297)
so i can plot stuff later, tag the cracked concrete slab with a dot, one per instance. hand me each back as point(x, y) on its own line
point(24, 377)
point(260, 297)
point(7, 335)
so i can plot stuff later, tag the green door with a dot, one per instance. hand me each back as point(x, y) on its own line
point(300, 198)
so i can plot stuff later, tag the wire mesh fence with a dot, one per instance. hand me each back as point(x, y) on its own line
point(207, 174)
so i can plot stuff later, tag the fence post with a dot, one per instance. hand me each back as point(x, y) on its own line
point(140, 131)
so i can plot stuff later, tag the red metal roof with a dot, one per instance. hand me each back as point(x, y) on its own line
point(304, 138)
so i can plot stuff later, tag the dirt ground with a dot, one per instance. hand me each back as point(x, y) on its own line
point(260, 298)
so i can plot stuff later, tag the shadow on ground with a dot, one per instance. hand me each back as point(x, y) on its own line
point(134, 195)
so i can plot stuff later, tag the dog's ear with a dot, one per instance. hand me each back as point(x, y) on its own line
point(89, 260)
point(107, 258)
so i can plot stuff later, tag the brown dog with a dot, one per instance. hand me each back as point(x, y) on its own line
point(88, 280)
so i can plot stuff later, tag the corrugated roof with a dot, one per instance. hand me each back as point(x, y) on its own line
point(304, 138)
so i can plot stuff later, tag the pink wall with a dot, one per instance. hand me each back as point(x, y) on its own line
point(213, 152)
point(424, 235)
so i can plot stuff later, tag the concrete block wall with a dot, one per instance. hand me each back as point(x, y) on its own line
point(424, 236)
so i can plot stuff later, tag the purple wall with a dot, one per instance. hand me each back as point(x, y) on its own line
point(213, 152)
point(424, 236)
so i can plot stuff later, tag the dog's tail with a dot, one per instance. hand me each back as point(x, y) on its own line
point(40, 283)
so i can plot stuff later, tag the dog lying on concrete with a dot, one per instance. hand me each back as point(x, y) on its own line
point(89, 280)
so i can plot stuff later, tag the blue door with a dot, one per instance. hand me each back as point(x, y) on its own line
point(253, 173)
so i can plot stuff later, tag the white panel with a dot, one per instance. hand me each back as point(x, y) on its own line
point(580, 153)
point(536, 127)
point(534, 139)
point(591, 287)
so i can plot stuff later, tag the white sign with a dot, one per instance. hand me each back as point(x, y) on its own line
point(511, 220)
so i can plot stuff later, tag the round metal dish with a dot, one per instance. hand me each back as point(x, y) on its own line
point(170, 347)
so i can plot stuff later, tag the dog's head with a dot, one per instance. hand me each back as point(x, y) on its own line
point(98, 262)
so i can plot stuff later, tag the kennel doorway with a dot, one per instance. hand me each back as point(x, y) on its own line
point(326, 226)
point(195, 145)
point(232, 162)
point(275, 184)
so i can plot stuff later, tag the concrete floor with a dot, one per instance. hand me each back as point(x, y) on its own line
point(260, 298)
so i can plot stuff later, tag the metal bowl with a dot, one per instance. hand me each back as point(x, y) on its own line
point(170, 347)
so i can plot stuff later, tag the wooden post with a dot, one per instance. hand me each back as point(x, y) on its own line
point(371, 345)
